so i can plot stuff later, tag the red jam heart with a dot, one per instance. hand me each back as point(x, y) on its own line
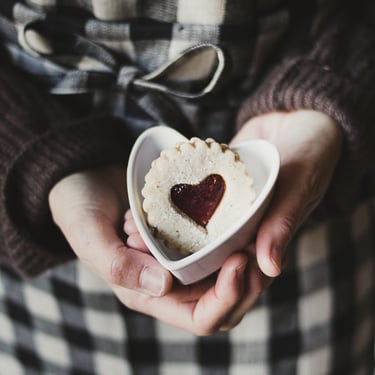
point(200, 201)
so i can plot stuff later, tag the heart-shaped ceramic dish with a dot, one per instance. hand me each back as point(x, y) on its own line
point(263, 162)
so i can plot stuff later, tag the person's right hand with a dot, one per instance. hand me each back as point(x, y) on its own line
point(310, 145)
point(88, 207)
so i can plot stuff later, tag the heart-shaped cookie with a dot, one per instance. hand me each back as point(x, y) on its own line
point(199, 201)
point(194, 192)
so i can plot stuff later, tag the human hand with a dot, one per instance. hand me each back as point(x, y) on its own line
point(310, 144)
point(208, 305)
point(88, 207)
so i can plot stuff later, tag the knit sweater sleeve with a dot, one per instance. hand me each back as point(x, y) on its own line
point(39, 145)
point(332, 72)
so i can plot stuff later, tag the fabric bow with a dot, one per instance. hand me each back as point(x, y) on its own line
point(73, 64)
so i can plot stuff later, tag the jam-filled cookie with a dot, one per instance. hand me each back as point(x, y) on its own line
point(194, 192)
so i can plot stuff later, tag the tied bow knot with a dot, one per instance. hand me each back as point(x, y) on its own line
point(73, 64)
point(77, 64)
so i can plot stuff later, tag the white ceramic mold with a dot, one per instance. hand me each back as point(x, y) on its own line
point(263, 162)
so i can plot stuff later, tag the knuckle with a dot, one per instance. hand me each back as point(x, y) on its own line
point(118, 270)
point(287, 225)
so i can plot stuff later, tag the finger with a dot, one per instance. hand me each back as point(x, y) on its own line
point(135, 241)
point(290, 206)
point(128, 214)
point(214, 307)
point(255, 283)
point(179, 295)
point(204, 314)
point(130, 227)
point(99, 246)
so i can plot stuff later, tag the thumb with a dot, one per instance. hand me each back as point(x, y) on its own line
point(271, 243)
point(98, 245)
point(287, 211)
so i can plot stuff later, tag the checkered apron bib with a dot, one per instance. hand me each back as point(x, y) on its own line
point(316, 318)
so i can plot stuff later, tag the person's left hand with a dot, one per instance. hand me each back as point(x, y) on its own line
point(210, 305)
point(310, 144)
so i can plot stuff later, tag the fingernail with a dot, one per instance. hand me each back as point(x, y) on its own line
point(152, 281)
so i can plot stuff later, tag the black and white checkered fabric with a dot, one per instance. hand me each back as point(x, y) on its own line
point(317, 318)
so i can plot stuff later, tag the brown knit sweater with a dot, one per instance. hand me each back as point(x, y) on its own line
point(333, 73)
point(40, 142)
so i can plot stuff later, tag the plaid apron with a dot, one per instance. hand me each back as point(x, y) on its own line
point(316, 318)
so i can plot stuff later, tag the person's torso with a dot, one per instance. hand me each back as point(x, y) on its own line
point(55, 40)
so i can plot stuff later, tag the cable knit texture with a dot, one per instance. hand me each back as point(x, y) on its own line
point(335, 75)
point(40, 145)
